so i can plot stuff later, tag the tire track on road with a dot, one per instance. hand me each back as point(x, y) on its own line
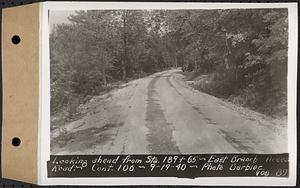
point(160, 134)
point(210, 121)
point(231, 140)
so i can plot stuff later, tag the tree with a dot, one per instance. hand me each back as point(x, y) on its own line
point(243, 50)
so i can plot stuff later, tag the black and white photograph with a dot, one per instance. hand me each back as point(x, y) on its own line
point(154, 93)
point(168, 81)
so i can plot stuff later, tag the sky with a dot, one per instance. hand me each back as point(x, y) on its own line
point(59, 17)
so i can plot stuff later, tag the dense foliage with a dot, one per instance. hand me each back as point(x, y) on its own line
point(244, 52)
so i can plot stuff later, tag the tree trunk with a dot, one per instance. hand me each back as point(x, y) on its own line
point(124, 59)
point(195, 63)
point(104, 77)
point(176, 60)
point(103, 62)
point(236, 77)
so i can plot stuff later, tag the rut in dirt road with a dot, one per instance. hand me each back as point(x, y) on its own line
point(160, 134)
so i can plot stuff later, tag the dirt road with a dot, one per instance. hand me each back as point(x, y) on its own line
point(162, 114)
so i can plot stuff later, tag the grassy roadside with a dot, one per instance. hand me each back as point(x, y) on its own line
point(208, 83)
point(73, 110)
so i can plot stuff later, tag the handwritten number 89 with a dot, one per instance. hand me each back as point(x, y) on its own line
point(281, 172)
